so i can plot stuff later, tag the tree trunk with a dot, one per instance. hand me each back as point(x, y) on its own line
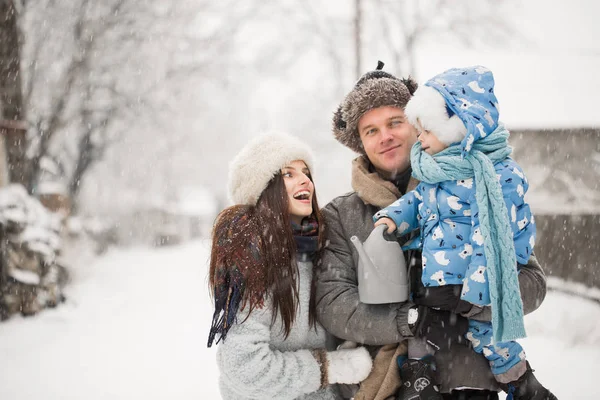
point(13, 128)
point(357, 37)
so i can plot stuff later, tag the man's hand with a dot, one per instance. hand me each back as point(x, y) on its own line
point(387, 221)
point(441, 329)
point(445, 298)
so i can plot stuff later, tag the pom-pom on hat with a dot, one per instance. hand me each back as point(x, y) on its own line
point(260, 160)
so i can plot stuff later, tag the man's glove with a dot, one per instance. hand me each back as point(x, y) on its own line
point(441, 329)
point(445, 297)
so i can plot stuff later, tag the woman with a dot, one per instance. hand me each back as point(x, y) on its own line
point(261, 277)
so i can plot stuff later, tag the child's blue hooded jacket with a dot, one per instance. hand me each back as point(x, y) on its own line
point(470, 193)
point(450, 236)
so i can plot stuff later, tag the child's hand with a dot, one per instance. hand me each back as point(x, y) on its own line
point(386, 221)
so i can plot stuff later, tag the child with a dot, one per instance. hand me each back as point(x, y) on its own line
point(474, 222)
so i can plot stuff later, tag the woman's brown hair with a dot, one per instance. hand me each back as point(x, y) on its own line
point(262, 249)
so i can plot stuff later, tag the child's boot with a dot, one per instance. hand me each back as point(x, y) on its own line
point(418, 379)
point(527, 387)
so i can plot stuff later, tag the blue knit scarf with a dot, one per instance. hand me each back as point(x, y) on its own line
point(447, 165)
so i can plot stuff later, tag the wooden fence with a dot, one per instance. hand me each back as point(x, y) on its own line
point(568, 246)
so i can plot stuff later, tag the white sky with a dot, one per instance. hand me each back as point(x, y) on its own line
point(548, 77)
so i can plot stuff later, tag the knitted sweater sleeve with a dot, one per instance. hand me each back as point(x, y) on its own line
point(252, 369)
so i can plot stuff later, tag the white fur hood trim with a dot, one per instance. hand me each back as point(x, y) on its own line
point(429, 106)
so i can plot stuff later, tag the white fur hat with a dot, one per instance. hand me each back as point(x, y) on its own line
point(260, 160)
point(429, 106)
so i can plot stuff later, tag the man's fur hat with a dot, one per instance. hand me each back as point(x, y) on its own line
point(374, 89)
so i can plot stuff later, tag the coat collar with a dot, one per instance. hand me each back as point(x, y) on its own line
point(371, 187)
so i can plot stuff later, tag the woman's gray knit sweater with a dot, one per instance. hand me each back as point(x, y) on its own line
point(256, 362)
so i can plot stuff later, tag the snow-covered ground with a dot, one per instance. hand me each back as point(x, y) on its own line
point(136, 321)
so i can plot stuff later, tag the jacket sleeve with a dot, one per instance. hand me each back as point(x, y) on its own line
point(478, 258)
point(338, 306)
point(514, 187)
point(404, 212)
point(252, 369)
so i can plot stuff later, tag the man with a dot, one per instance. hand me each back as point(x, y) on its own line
point(371, 122)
